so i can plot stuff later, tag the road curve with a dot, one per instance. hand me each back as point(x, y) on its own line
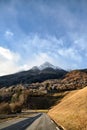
point(43, 123)
point(20, 124)
point(38, 122)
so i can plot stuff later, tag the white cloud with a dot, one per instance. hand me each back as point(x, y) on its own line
point(8, 61)
point(41, 58)
point(9, 34)
point(52, 49)
point(81, 43)
point(70, 53)
point(47, 43)
point(35, 50)
point(6, 53)
point(37, 60)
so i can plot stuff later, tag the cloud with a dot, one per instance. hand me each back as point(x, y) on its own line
point(42, 31)
point(37, 60)
point(39, 49)
point(42, 44)
point(8, 61)
point(41, 58)
point(70, 53)
point(81, 43)
point(35, 50)
point(6, 53)
point(56, 49)
point(9, 34)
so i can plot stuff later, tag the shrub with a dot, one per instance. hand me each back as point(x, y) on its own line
point(16, 107)
point(5, 108)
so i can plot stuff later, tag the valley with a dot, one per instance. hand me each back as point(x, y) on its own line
point(43, 64)
point(42, 90)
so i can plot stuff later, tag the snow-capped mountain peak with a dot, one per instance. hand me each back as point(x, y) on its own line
point(48, 65)
point(34, 68)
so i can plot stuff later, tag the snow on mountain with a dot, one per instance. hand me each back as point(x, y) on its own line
point(48, 65)
point(34, 68)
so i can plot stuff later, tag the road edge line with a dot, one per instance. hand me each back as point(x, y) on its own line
point(59, 125)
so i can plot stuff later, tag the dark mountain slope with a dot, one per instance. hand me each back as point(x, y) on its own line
point(31, 76)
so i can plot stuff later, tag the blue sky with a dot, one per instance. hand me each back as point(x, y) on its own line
point(32, 32)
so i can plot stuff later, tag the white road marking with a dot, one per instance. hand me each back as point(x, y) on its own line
point(57, 128)
point(52, 121)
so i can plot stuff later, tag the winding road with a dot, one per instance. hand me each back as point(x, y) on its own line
point(39, 121)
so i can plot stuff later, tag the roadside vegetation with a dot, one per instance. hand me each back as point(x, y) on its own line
point(16, 99)
point(71, 112)
point(68, 95)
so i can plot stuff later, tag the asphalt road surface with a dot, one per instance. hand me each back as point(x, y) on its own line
point(37, 122)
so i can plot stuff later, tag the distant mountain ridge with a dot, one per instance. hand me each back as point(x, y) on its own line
point(35, 74)
point(46, 65)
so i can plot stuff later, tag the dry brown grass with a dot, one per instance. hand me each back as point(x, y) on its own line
point(72, 111)
point(4, 108)
point(16, 107)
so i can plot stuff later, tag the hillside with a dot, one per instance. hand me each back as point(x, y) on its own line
point(56, 80)
point(75, 79)
point(71, 112)
point(33, 75)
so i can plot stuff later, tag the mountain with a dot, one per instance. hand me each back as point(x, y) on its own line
point(48, 65)
point(35, 74)
point(75, 79)
point(71, 112)
point(45, 66)
point(34, 68)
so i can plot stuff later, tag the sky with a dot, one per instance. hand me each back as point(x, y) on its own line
point(35, 31)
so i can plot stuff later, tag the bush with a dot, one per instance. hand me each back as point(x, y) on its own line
point(16, 107)
point(5, 108)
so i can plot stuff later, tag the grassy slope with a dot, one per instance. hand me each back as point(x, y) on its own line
point(71, 112)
